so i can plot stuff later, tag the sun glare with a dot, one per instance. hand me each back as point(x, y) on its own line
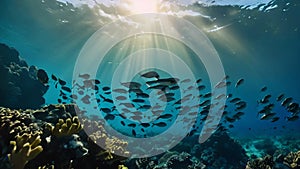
point(143, 6)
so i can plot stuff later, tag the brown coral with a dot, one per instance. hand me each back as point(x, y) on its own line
point(293, 160)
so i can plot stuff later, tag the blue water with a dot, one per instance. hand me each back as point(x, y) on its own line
point(261, 46)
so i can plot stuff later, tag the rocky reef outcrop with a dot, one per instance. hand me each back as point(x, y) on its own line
point(20, 86)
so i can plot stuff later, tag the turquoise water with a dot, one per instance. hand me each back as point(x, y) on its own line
point(257, 44)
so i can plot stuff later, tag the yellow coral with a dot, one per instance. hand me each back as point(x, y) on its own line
point(25, 148)
point(65, 128)
point(122, 167)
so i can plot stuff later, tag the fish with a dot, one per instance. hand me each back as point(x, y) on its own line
point(132, 125)
point(160, 124)
point(286, 101)
point(123, 123)
point(263, 89)
point(234, 100)
point(220, 96)
point(128, 105)
point(61, 82)
point(201, 87)
point(220, 85)
point(239, 82)
point(138, 100)
point(293, 118)
point(142, 95)
point(133, 132)
point(121, 98)
point(123, 91)
point(86, 99)
point(150, 74)
point(167, 81)
point(135, 90)
point(131, 84)
point(67, 89)
point(161, 87)
point(84, 76)
point(109, 117)
point(174, 87)
point(267, 116)
point(105, 88)
point(280, 97)
point(42, 76)
point(207, 95)
point(106, 110)
point(165, 116)
point(145, 125)
point(199, 81)
point(186, 81)
point(53, 77)
point(145, 107)
point(274, 119)
point(205, 103)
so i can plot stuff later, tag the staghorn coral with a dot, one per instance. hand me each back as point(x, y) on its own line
point(65, 128)
point(293, 160)
point(25, 148)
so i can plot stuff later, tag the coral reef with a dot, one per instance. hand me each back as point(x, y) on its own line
point(293, 160)
point(34, 138)
point(19, 85)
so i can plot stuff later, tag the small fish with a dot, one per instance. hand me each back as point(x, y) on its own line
point(150, 74)
point(97, 81)
point(142, 95)
point(131, 84)
point(123, 123)
point(286, 101)
point(207, 95)
point(120, 91)
point(133, 133)
point(186, 81)
point(145, 107)
point(220, 85)
point(161, 87)
point(174, 87)
point(138, 100)
point(293, 118)
point(67, 89)
point(128, 105)
point(84, 76)
point(59, 100)
point(109, 117)
point(61, 82)
point(53, 77)
point(132, 125)
point(121, 98)
point(267, 116)
point(274, 119)
point(234, 100)
point(220, 96)
point(160, 124)
point(280, 97)
point(86, 99)
point(165, 116)
point(201, 87)
point(239, 82)
point(263, 89)
point(199, 80)
point(108, 100)
point(105, 110)
point(105, 88)
point(145, 125)
point(230, 125)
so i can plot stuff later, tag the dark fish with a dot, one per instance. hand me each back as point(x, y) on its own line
point(108, 100)
point(142, 129)
point(59, 100)
point(97, 81)
point(167, 81)
point(263, 89)
point(135, 90)
point(145, 125)
point(121, 98)
point(161, 87)
point(280, 97)
point(86, 99)
point(220, 85)
point(207, 95)
point(53, 77)
point(105, 88)
point(267, 116)
point(84, 76)
point(109, 117)
point(286, 101)
point(132, 125)
point(133, 133)
point(293, 118)
point(142, 95)
point(150, 74)
point(106, 110)
point(231, 126)
point(274, 119)
point(174, 87)
point(67, 89)
point(120, 91)
point(229, 95)
point(230, 120)
point(123, 123)
point(145, 107)
point(239, 82)
point(165, 116)
point(138, 100)
point(42, 76)
point(201, 87)
point(131, 84)
point(61, 82)
point(234, 100)
point(160, 124)
point(205, 103)
point(199, 80)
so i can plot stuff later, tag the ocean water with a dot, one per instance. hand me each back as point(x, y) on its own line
point(255, 41)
